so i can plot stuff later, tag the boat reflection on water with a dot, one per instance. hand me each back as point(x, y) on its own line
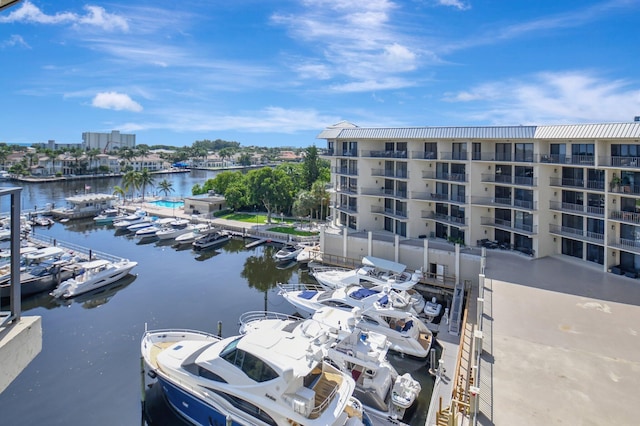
point(88, 300)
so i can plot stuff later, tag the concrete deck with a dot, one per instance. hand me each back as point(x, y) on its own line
point(561, 343)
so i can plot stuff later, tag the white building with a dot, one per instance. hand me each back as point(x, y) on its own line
point(541, 190)
point(107, 142)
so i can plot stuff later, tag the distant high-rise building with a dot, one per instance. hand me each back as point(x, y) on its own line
point(106, 142)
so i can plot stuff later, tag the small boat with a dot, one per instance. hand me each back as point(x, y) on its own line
point(135, 227)
point(432, 309)
point(42, 221)
point(137, 217)
point(107, 216)
point(211, 240)
point(288, 252)
point(256, 378)
point(362, 355)
point(174, 229)
point(4, 175)
point(93, 275)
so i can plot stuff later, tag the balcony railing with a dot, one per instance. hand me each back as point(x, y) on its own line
point(384, 154)
point(517, 227)
point(509, 179)
point(353, 190)
point(453, 177)
point(520, 204)
point(576, 208)
point(345, 171)
point(576, 233)
point(626, 244)
point(400, 214)
point(347, 209)
point(626, 189)
point(382, 192)
point(629, 217)
point(398, 174)
point(458, 221)
point(342, 152)
point(622, 162)
point(455, 156)
point(424, 155)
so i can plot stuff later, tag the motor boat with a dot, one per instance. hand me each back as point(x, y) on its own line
point(211, 240)
point(174, 229)
point(432, 309)
point(407, 333)
point(288, 252)
point(197, 231)
point(374, 271)
point(362, 355)
point(152, 229)
point(92, 275)
point(108, 216)
point(252, 379)
point(137, 217)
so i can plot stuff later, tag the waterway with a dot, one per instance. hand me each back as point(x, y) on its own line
point(88, 371)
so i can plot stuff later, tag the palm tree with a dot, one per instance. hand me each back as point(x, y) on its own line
point(131, 180)
point(92, 154)
point(145, 178)
point(120, 192)
point(165, 187)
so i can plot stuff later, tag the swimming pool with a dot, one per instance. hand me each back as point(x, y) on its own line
point(168, 204)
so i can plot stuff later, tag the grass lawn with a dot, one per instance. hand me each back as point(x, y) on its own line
point(292, 231)
point(255, 218)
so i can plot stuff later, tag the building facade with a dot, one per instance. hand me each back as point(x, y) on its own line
point(107, 142)
point(541, 190)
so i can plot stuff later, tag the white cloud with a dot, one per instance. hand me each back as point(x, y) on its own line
point(14, 40)
point(115, 101)
point(455, 3)
point(567, 97)
point(96, 17)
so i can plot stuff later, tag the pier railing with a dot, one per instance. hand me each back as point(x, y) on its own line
point(87, 252)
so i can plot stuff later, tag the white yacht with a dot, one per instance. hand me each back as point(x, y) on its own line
point(92, 275)
point(174, 229)
point(288, 252)
point(254, 379)
point(385, 394)
point(405, 330)
point(374, 271)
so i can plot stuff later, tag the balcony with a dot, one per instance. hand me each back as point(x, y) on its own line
point(342, 153)
point(424, 155)
point(517, 227)
point(592, 185)
point(506, 202)
point(627, 217)
point(398, 174)
point(622, 162)
point(382, 192)
point(347, 209)
point(626, 189)
point(397, 214)
point(384, 154)
point(576, 234)
point(455, 156)
point(585, 160)
point(574, 208)
point(632, 246)
point(351, 190)
point(344, 171)
point(440, 217)
point(451, 177)
point(509, 179)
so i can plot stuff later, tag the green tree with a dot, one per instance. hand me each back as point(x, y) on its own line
point(221, 182)
point(145, 178)
point(270, 188)
point(321, 198)
point(165, 187)
point(131, 181)
point(311, 166)
point(304, 204)
point(236, 194)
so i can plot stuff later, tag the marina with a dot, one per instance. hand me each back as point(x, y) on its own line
point(93, 339)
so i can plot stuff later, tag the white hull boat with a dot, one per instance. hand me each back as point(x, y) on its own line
point(93, 275)
point(211, 240)
point(251, 379)
point(288, 252)
point(362, 355)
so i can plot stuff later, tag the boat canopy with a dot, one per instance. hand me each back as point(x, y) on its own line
point(386, 265)
point(86, 198)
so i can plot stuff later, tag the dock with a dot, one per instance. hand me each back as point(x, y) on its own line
point(256, 243)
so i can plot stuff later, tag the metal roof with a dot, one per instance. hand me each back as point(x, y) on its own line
point(574, 131)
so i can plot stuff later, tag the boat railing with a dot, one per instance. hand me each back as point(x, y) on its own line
point(287, 287)
point(325, 268)
point(252, 316)
point(89, 253)
point(325, 390)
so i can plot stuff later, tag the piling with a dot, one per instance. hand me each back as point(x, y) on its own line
point(143, 386)
point(219, 328)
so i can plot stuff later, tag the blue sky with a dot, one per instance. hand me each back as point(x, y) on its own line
point(276, 72)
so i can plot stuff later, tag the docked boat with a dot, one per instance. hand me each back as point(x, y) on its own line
point(405, 330)
point(93, 275)
point(432, 309)
point(198, 230)
point(373, 272)
point(42, 221)
point(362, 355)
point(211, 240)
point(43, 270)
point(253, 379)
point(137, 217)
point(288, 252)
point(108, 216)
point(174, 229)
point(4, 175)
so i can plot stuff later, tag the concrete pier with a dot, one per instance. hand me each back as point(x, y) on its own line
point(20, 342)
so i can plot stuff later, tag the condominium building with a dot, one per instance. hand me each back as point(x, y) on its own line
point(106, 142)
point(541, 190)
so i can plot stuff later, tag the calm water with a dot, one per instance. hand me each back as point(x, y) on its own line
point(89, 369)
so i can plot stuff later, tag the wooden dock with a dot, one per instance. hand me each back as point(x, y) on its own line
point(256, 243)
